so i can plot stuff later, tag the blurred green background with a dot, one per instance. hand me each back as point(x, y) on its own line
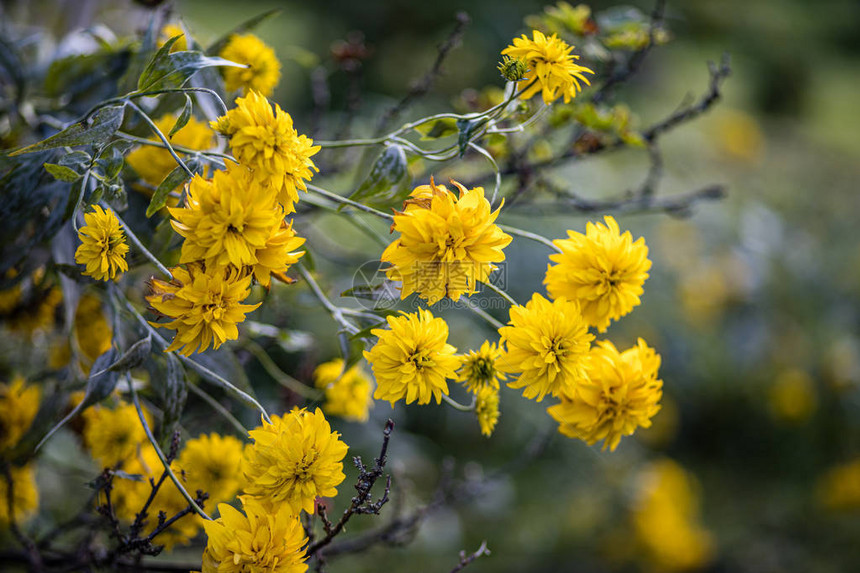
point(752, 301)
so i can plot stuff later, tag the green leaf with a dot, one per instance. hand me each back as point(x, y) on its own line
point(77, 160)
point(99, 386)
point(62, 173)
point(183, 118)
point(172, 392)
point(436, 129)
point(134, 356)
point(246, 26)
point(98, 129)
point(387, 183)
point(173, 180)
point(468, 128)
point(172, 70)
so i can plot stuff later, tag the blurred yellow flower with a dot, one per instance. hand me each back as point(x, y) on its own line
point(294, 460)
point(260, 540)
point(153, 163)
point(603, 269)
point(25, 500)
point(212, 463)
point(839, 488)
point(553, 71)
point(487, 408)
point(264, 140)
point(18, 406)
point(205, 305)
point(792, 396)
point(347, 394)
point(447, 243)
point(547, 344)
point(232, 219)
point(412, 358)
point(103, 247)
point(263, 71)
point(113, 435)
point(169, 31)
point(92, 332)
point(478, 368)
point(666, 519)
point(620, 393)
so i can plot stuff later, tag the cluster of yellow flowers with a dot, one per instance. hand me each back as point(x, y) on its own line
point(292, 460)
point(546, 348)
point(234, 227)
point(103, 247)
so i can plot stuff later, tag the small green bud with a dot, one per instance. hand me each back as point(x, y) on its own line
point(512, 69)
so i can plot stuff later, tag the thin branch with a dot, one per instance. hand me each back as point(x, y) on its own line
point(425, 84)
point(467, 559)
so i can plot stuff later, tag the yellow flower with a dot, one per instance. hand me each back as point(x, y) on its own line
point(839, 488)
point(260, 541)
point(347, 394)
point(103, 246)
point(547, 343)
point(92, 331)
point(263, 71)
point(603, 269)
point(412, 359)
point(212, 464)
point(169, 31)
point(232, 219)
point(446, 243)
point(153, 163)
point(792, 396)
point(478, 368)
point(113, 435)
point(18, 406)
point(620, 393)
point(25, 500)
point(293, 460)
point(553, 69)
point(205, 305)
point(666, 519)
point(264, 140)
point(487, 409)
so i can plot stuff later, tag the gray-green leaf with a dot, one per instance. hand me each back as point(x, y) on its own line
point(387, 183)
point(171, 70)
point(183, 118)
point(62, 173)
point(98, 129)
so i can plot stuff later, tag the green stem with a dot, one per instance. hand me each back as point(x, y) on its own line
point(161, 136)
point(456, 405)
point(334, 311)
point(136, 242)
point(218, 408)
point(279, 375)
point(344, 201)
point(160, 454)
point(501, 293)
point(529, 235)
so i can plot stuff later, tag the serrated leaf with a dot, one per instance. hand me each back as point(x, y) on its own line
point(218, 45)
point(98, 129)
point(100, 384)
point(173, 180)
point(183, 118)
point(440, 128)
point(62, 173)
point(134, 356)
point(172, 70)
point(468, 128)
point(387, 183)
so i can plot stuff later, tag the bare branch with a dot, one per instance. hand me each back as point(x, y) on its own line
point(466, 559)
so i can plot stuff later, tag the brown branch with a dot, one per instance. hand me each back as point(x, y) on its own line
point(425, 83)
point(466, 559)
point(362, 502)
